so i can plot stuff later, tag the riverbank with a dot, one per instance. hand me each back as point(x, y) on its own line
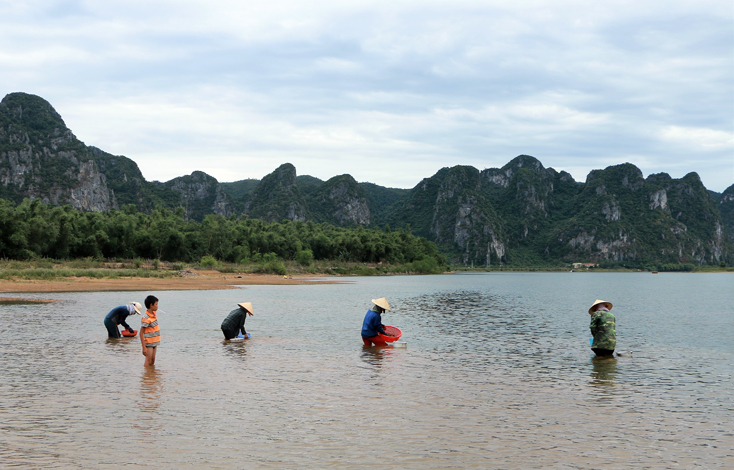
point(566, 269)
point(193, 280)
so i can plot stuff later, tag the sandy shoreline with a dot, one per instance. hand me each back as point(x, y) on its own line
point(204, 280)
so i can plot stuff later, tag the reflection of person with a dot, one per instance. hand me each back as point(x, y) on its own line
point(372, 324)
point(150, 335)
point(148, 420)
point(603, 328)
point(604, 371)
point(235, 321)
point(150, 392)
point(118, 315)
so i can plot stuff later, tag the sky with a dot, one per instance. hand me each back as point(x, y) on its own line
point(386, 91)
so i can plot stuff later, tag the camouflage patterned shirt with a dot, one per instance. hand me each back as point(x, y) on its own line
point(603, 329)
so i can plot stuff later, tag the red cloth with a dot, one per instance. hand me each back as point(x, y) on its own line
point(375, 339)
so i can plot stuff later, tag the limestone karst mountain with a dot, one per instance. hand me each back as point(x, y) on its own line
point(522, 213)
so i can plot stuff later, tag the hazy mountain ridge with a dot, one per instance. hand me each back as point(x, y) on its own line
point(521, 213)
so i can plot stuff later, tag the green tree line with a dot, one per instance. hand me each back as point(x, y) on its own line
point(33, 229)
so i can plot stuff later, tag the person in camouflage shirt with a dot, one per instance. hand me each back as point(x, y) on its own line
point(603, 328)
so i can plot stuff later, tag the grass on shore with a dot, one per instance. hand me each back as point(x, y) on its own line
point(48, 269)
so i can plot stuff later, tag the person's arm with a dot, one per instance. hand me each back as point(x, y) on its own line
point(378, 326)
point(142, 341)
point(594, 325)
point(123, 323)
point(242, 324)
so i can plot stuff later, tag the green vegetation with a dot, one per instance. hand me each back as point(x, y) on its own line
point(35, 231)
point(519, 216)
point(240, 190)
point(543, 219)
point(382, 201)
point(277, 197)
point(308, 183)
point(45, 269)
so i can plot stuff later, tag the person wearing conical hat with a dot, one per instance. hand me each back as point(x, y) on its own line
point(372, 324)
point(603, 328)
point(235, 321)
point(118, 315)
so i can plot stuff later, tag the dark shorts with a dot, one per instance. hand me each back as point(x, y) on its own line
point(603, 352)
point(229, 334)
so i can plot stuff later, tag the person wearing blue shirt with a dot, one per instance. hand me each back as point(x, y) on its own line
point(372, 325)
point(118, 315)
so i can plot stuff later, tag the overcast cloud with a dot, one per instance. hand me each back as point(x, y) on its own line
point(387, 91)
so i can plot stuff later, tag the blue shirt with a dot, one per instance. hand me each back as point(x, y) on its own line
point(118, 316)
point(372, 325)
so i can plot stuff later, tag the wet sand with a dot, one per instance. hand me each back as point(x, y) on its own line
point(200, 280)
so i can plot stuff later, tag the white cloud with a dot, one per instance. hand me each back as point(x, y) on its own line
point(700, 138)
point(388, 91)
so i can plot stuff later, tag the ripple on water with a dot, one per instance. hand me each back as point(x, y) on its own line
point(497, 374)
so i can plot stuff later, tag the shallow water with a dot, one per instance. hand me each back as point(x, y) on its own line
point(497, 374)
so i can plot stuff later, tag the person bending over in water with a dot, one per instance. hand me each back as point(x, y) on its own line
point(235, 321)
point(372, 324)
point(150, 335)
point(603, 328)
point(118, 315)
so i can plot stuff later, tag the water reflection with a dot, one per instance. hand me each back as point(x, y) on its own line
point(374, 355)
point(151, 388)
point(378, 360)
point(498, 375)
point(237, 350)
point(120, 345)
point(604, 371)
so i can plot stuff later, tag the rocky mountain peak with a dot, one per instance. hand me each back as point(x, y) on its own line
point(277, 197)
point(522, 211)
point(620, 177)
point(200, 193)
point(524, 161)
point(341, 201)
point(32, 112)
point(41, 158)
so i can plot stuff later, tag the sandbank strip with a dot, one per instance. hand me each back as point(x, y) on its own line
point(204, 280)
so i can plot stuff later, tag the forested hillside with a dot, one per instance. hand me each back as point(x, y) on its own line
point(521, 214)
point(34, 229)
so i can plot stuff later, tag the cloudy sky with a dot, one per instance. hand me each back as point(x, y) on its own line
point(387, 91)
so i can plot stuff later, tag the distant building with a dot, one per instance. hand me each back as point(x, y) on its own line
point(584, 265)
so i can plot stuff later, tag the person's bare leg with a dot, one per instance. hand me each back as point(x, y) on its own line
point(150, 356)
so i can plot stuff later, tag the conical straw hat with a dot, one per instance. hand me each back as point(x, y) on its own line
point(381, 302)
point(137, 307)
point(247, 306)
point(597, 302)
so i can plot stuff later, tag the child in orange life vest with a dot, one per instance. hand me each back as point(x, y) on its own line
point(150, 335)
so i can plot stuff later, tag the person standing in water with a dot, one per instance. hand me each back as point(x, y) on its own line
point(150, 334)
point(372, 325)
point(118, 315)
point(603, 328)
point(235, 321)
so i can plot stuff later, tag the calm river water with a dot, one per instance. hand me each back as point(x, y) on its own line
point(497, 374)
